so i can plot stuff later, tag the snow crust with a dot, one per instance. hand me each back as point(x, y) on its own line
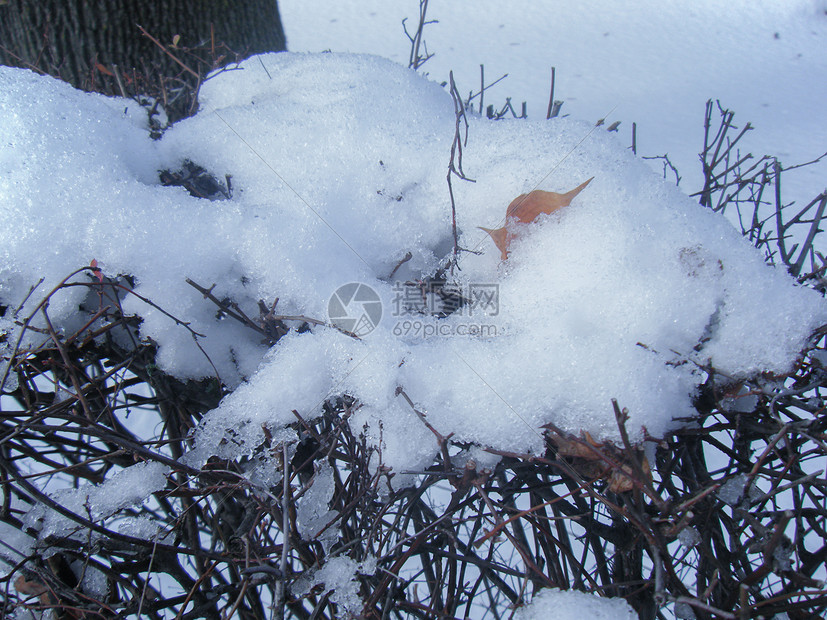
point(574, 605)
point(338, 167)
point(689, 537)
point(128, 487)
point(14, 544)
point(732, 491)
point(313, 516)
point(339, 577)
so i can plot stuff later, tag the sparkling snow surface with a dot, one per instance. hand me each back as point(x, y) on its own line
point(338, 167)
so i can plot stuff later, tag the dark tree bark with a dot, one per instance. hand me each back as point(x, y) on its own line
point(71, 39)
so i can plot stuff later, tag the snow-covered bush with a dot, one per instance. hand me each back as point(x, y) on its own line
point(270, 360)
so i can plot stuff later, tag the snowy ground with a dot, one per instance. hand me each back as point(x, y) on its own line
point(645, 61)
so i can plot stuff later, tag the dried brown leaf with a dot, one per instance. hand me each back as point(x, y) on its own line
point(594, 459)
point(526, 208)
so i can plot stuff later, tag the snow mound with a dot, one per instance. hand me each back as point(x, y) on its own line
point(337, 165)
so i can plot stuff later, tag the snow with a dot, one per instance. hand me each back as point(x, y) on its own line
point(14, 544)
point(129, 487)
point(338, 163)
point(684, 611)
point(689, 537)
point(646, 62)
point(574, 605)
point(744, 401)
point(735, 490)
point(93, 581)
point(313, 516)
point(339, 577)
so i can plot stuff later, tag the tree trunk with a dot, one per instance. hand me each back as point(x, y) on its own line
point(72, 39)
